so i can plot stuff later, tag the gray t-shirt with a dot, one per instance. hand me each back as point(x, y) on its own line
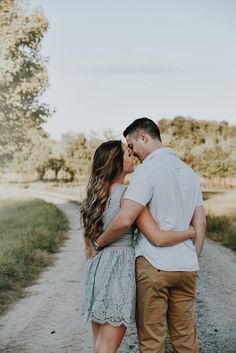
point(172, 191)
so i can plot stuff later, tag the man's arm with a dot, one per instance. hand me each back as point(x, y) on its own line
point(199, 224)
point(150, 229)
point(121, 223)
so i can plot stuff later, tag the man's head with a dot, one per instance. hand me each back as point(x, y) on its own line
point(143, 137)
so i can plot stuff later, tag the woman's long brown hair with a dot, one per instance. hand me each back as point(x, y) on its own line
point(107, 165)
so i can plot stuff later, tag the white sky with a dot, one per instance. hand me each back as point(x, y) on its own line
point(112, 61)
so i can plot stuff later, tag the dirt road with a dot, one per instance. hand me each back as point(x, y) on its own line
point(48, 319)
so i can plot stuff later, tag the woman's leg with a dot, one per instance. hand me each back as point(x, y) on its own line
point(109, 338)
point(95, 330)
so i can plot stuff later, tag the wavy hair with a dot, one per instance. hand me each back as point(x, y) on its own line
point(106, 166)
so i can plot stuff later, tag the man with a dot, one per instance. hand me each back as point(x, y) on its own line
point(166, 276)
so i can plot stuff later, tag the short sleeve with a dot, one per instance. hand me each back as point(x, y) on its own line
point(140, 188)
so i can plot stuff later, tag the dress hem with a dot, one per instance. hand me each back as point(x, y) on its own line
point(103, 322)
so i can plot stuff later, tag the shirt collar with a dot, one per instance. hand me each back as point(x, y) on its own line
point(159, 152)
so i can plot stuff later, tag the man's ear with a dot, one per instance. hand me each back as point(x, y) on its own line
point(143, 136)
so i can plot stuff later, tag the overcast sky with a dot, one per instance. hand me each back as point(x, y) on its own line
point(112, 61)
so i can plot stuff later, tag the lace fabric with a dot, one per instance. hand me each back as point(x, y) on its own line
point(110, 276)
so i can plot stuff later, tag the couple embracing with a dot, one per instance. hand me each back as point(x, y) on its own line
point(150, 277)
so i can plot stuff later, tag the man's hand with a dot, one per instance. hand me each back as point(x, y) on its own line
point(89, 250)
point(192, 233)
point(94, 252)
point(199, 224)
point(121, 223)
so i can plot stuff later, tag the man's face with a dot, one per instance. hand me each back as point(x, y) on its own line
point(137, 146)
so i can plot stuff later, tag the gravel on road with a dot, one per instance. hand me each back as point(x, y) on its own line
point(48, 318)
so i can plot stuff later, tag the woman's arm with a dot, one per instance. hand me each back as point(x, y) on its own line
point(158, 237)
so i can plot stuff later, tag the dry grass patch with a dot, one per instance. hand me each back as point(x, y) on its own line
point(30, 232)
point(222, 229)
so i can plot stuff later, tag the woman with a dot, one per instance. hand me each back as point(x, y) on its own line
point(110, 275)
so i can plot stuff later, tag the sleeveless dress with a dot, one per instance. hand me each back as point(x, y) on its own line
point(110, 288)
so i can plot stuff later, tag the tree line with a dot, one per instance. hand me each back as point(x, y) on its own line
point(208, 147)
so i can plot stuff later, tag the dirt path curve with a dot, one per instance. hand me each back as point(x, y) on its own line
point(216, 299)
point(53, 304)
point(48, 319)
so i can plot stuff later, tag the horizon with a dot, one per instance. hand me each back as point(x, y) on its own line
point(101, 133)
point(105, 69)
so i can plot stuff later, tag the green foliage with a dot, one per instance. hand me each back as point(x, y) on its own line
point(208, 147)
point(76, 151)
point(71, 172)
point(41, 170)
point(23, 77)
point(56, 164)
point(33, 155)
point(222, 229)
point(34, 230)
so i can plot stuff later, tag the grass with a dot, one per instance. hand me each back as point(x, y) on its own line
point(222, 229)
point(30, 232)
point(209, 194)
point(77, 203)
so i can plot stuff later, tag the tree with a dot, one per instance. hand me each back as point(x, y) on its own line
point(76, 152)
point(208, 147)
point(56, 164)
point(23, 76)
point(71, 172)
point(32, 155)
point(41, 170)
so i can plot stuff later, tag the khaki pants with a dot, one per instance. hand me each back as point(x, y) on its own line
point(165, 297)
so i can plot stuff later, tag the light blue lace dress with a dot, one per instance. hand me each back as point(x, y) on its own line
point(110, 276)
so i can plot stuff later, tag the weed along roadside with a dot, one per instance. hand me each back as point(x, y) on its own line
point(221, 217)
point(53, 303)
point(30, 232)
point(222, 229)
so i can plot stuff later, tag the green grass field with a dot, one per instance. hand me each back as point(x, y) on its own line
point(30, 232)
point(222, 229)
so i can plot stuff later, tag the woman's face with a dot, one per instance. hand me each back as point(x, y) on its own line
point(128, 159)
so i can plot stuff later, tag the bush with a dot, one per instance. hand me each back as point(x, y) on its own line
point(222, 229)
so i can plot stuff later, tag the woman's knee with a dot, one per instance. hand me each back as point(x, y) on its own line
point(109, 339)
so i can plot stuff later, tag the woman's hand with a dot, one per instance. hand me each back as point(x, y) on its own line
point(192, 234)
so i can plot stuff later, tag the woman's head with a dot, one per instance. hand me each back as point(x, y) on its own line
point(108, 161)
point(111, 160)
